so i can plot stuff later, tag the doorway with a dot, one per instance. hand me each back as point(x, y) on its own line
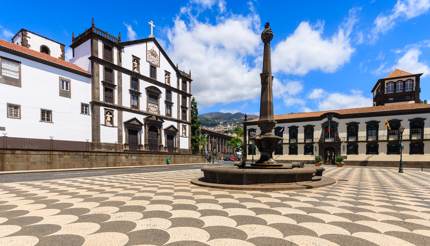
point(153, 137)
point(170, 142)
point(133, 139)
point(330, 155)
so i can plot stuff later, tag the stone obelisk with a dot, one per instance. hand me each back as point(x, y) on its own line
point(266, 141)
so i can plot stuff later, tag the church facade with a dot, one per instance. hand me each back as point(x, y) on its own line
point(111, 95)
point(362, 136)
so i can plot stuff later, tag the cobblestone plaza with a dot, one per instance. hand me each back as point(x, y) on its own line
point(367, 206)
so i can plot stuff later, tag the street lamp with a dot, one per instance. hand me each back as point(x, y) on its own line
point(401, 129)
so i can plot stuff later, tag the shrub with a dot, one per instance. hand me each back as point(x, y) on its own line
point(317, 159)
point(339, 159)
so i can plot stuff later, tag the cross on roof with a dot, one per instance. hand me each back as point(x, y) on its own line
point(151, 26)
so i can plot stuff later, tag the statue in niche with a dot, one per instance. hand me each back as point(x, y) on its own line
point(109, 118)
point(136, 64)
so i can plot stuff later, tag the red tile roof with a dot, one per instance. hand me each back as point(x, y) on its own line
point(404, 107)
point(32, 54)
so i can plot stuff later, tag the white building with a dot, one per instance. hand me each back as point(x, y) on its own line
point(111, 95)
point(362, 136)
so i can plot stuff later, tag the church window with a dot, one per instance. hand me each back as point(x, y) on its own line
point(184, 85)
point(152, 101)
point(168, 109)
point(13, 111)
point(108, 75)
point(65, 87)
point(10, 70)
point(292, 147)
point(108, 94)
point(107, 53)
point(44, 49)
point(152, 71)
point(85, 108)
point(46, 115)
point(184, 115)
point(134, 84)
point(416, 136)
point(134, 100)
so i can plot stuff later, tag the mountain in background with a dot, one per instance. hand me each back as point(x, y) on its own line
point(217, 118)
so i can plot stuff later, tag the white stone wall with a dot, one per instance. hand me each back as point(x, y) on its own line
point(35, 41)
point(81, 55)
point(40, 89)
point(382, 156)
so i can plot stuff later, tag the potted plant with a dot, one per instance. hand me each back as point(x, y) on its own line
point(339, 161)
point(317, 160)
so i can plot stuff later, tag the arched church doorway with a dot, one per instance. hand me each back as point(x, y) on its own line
point(330, 155)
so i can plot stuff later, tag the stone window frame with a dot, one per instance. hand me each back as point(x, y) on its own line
point(46, 115)
point(8, 112)
point(153, 93)
point(409, 85)
point(4, 79)
point(152, 71)
point(105, 54)
point(169, 106)
point(85, 109)
point(184, 85)
point(135, 95)
point(64, 92)
point(105, 98)
point(184, 114)
point(400, 86)
point(390, 87)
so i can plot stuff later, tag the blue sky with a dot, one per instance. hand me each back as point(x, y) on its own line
point(325, 54)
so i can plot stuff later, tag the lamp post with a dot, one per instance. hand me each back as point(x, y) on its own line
point(401, 129)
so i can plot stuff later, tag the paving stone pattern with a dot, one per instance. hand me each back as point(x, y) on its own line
point(367, 206)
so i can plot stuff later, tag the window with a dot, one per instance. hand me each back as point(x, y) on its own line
point(416, 136)
point(352, 148)
point(45, 49)
point(409, 85)
point(13, 111)
point(134, 84)
point(399, 86)
point(292, 147)
point(389, 88)
point(152, 103)
point(184, 130)
point(309, 134)
point(279, 132)
point(352, 132)
point(45, 115)
point(65, 87)
point(109, 117)
point(107, 53)
point(10, 72)
point(85, 108)
point(184, 115)
point(168, 96)
point(108, 75)
point(372, 147)
point(134, 100)
point(184, 101)
point(108, 94)
point(184, 85)
point(167, 77)
point(152, 71)
point(168, 110)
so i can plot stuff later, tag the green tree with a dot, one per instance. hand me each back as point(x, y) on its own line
point(196, 133)
point(237, 140)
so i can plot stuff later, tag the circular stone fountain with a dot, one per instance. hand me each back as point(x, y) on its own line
point(266, 173)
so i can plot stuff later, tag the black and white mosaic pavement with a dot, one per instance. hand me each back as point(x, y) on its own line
point(367, 206)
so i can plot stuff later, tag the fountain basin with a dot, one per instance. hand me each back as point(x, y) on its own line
point(263, 179)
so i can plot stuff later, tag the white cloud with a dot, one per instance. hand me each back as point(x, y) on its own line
point(316, 94)
point(338, 100)
point(410, 62)
point(222, 56)
point(306, 49)
point(290, 88)
point(207, 4)
point(403, 9)
point(5, 33)
point(131, 33)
